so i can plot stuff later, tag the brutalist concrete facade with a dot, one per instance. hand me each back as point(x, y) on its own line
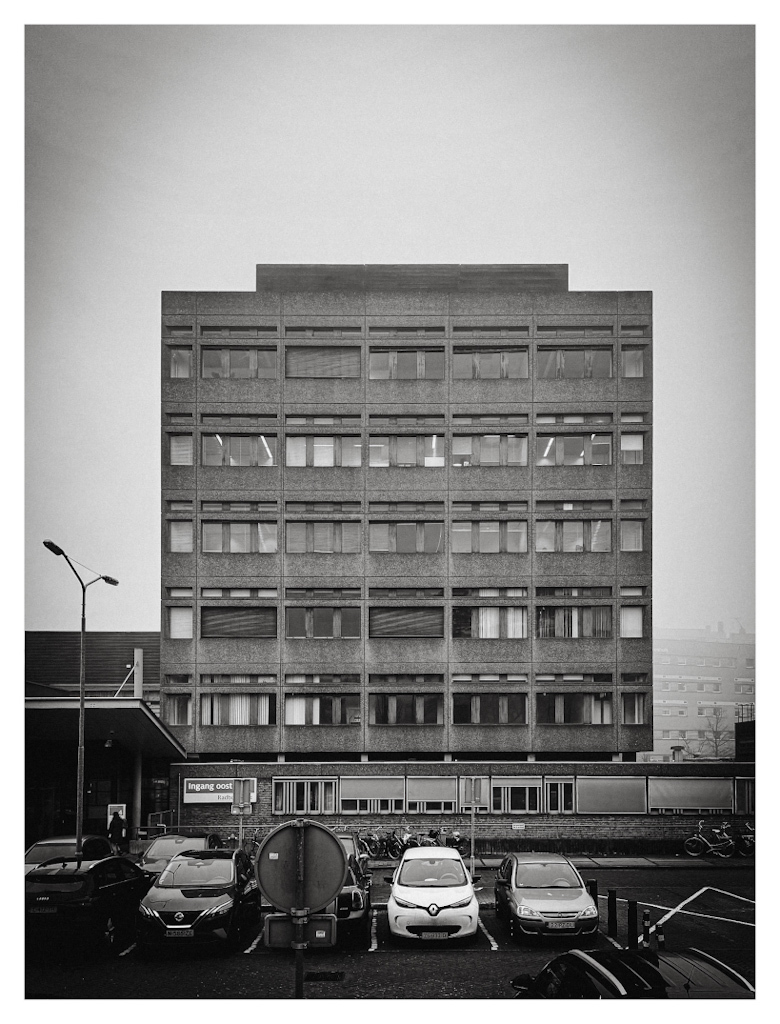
point(410, 633)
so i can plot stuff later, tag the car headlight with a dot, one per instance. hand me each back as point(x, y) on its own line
point(460, 903)
point(144, 911)
point(219, 909)
point(403, 903)
point(523, 911)
point(590, 912)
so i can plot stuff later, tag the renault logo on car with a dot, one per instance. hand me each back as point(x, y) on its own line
point(433, 910)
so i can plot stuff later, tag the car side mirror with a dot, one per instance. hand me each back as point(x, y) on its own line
point(388, 878)
point(522, 982)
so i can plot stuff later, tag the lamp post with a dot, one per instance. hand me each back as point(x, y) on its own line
point(55, 549)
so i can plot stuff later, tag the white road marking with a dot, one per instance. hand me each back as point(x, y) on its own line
point(491, 940)
point(373, 933)
point(126, 951)
point(258, 938)
point(733, 895)
point(692, 913)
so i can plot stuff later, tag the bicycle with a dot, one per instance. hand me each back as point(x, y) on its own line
point(698, 843)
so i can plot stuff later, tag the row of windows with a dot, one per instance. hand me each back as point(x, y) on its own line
point(407, 363)
point(425, 450)
point(318, 593)
point(399, 419)
point(254, 709)
point(411, 508)
point(481, 622)
point(401, 679)
point(409, 331)
point(466, 537)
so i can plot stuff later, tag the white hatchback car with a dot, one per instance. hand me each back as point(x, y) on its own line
point(432, 896)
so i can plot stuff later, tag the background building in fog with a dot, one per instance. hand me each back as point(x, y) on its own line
point(406, 513)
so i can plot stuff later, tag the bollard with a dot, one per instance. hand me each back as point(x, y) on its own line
point(612, 913)
point(645, 929)
point(593, 888)
point(659, 934)
point(633, 939)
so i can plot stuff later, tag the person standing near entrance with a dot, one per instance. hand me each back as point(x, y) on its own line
point(116, 831)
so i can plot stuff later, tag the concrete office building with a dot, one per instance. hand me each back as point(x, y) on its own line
point(406, 514)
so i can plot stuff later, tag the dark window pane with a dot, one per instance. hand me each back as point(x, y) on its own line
point(406, 538)
point(461, 708)
point(350, 622)
point(405, 709)
point(296, 622)
point(323, 622)
point(406, 365)
point(434, 365)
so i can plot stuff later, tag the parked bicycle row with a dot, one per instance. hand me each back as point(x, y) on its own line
point(721, 842)
point(391, 844)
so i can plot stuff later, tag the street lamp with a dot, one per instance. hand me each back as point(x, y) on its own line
point(57, 550)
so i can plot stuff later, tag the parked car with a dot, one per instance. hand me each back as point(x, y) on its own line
point(84, 901)
point(634, 974)
point(201, 896)
point(432, 896)
point(543, 894)
point(92, 848)
point(352, 906)
point(156, 856)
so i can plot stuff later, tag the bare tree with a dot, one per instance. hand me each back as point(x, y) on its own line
point(718, 738)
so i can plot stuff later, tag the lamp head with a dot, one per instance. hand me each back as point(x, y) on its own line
point(53, 547)
point(111, 580)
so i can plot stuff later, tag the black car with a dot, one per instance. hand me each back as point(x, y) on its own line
point(352, 906)
point(69, 900)
point(202, 896)
point(157, 855)
point(634, 974)
point(92, 848)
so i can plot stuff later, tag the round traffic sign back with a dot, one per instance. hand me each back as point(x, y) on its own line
point(304, 848)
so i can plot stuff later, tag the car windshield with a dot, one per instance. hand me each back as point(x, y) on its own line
point(436, 873)
point(546, 875)
point(169, 846)
point(197, 872)
point(48, 851)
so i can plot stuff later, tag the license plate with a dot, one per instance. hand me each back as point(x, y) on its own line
point(434, 935)
point(180, 933)
point(43, 910)
point(560, 924)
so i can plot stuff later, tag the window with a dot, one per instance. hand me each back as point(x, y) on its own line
point(179, 591)
point(573, 363)
point(178, 709)
point(322, 593)
point(425, 450)
point(573, 535)
point(321, 507)
point(322, 622)
point(239, 450)
point(508, 419)
point(238, 363)
point(490, 591)
point(323, 451)
point(330, 679)
point(396, 679)
point(405, 593)
point(632, 417)
point(490, 450)
point(406, 538)
point(573, 450)
point(574, 591)
point(491, 331)
point(180, 449)
point(489, 537)
point(322, 709)
point(304, 796)
point(416, 420)
point(241, 538)
point(631, 619)
point(238, 709)
point(632, 361)
point(180, 623)
point(180, 536)
point(406, 709)
point(389, 331)
point(571, 622)
point(574, 417)
point(237, 330)
point(334, 420)
point(574, 330)
point(322, 362)
point(559, 678)
point(426, 795)
point(489, 709)
point(632, 535)
point(486, 507)
point(487, 364)
point(406, 364)
point(574, 505)
point(238, 419)
point(238, 506)
point(421, 621)
point(559, 795)
point(516, 795)
point(407, 507)
point(322, 537)
point(371, 794)
point(181, 363)
point(237, 622)
point(489, 623)
point(177, 330)
point(253, 592)
point(573, 709)
point(632, 449)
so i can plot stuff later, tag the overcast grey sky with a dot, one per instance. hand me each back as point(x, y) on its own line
point(165, 158)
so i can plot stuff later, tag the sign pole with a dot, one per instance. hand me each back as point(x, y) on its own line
point(473, 801)
point(299, 914)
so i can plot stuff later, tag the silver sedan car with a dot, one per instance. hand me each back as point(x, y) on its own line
point(543, 894)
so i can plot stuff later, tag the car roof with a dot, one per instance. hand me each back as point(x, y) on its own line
point(539, 858)
point(69, 865)
point(642, 971)
point(428, 852)
point(64, 839)
point(181, 835)
point(205, 855)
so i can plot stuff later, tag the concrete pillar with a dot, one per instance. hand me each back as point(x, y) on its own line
point(137, 777)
